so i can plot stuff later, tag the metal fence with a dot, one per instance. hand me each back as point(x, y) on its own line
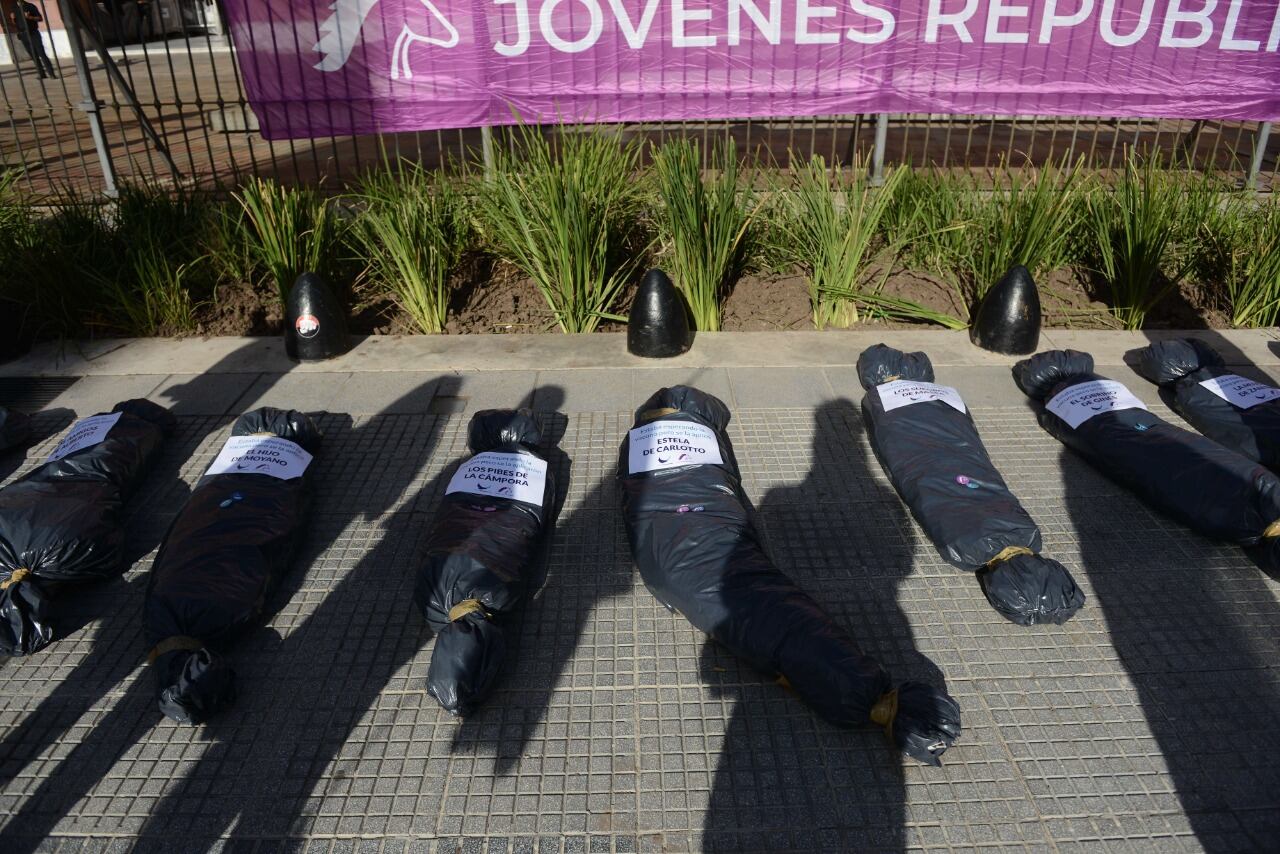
point(151, 92)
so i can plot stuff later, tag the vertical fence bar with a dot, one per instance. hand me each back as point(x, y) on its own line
point(877, 154)
point(90, 104)
point(1260, 140)
point(486, 151)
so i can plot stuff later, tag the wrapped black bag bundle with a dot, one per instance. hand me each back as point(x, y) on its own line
point(691, 534)
point(1230, 409)
point(485, 541)
point(225, 553)
point(15, 428)
point(1192, 479)
point(62, 524)
point(929, 447)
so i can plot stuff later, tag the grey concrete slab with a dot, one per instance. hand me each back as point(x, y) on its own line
point(388, 392)
point(304, 392)
point(476, 390)
point(777, 388)
point(645, 381)
point(585, 391)
point(98, 394)
point(202, 394)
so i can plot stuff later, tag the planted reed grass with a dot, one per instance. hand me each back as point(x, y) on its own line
point(705, 224)
point(1253, 274)
point(289, 231)
point(565, 215)
point(413, 233)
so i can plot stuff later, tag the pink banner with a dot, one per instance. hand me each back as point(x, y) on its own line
point(321, 67)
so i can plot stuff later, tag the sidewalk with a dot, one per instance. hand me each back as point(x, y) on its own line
point(1145, 723)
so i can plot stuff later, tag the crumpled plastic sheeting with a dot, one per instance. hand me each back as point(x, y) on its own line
point(222, 558)
point(479, 559)
point(62, 525)
point(698, 552)
point(935, 459)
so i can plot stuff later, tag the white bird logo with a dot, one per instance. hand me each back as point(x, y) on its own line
point(341, 30)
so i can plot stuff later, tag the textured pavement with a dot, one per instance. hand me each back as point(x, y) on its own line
point(1145, 723)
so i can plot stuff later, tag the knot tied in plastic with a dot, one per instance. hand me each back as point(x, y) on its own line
point(16, 577)
point(1008, 318)
point(315, 324)
point(658, 325)
point(712, 568)
point(885, 710)
point(922, 433)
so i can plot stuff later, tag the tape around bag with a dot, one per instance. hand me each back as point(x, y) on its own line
point(671, 444)
point(269, 455)
point(1078, 403)
point(899, 393)
point(85, 433)
point(1241, 392)
point(517, 477)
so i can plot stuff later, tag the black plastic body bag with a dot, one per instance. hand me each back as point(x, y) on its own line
point(481, 553)
point(1249, 426)
point(225, 553)
point(15, 428)
point(1192, 479)
point(693, 539)
point(63, 523)
point(935, 458)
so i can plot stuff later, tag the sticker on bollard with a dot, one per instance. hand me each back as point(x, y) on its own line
point(315, 322)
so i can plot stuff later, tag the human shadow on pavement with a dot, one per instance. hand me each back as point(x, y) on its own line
point(301, 695)
point(786, 780)
point(1198, 633)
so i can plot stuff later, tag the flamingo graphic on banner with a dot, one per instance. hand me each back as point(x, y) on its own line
point(340, 31)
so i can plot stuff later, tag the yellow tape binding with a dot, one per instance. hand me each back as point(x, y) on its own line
point(265, 433)
point(785, 682)
point(1008, 553)
point(885, 710)
point(466, 606)
point(1273, 530)
point(173, 644)
point(17, 575)
point(892, 378)
point(650, 414)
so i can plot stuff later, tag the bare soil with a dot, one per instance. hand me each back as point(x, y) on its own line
point(241, 309)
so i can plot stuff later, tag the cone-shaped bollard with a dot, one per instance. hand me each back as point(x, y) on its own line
point(1008, 319)
point(658, 325)
point(315, 324)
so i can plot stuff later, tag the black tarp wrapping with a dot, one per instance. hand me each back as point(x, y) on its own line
point(480, 555)
point(222, 558)
point(1249, 426)
point(15, 428)
point(63, 523)
point(1192, 479)
point(693, 538)
point(935, 458)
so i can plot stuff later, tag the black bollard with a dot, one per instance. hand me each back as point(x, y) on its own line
point(1008, 319)
point(658, 325)
point(315, 324)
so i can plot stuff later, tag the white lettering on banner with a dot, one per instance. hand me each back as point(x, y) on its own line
point(883, 16)
point(1079, 403)
point(671, 444)
point(1229, 40)
point(518, 477)
point(85, 433)
point(806, 13)
point(269, 455)
point(1241, 392)
point(955, 20)
point(899, 393)
point(999, 10)
point(1177, 15)
point(635, 34)
point(587, 41)
point(679, 17)
point(770, 27)
point(1052, 20)
point(1109, 34)
point(521, 44)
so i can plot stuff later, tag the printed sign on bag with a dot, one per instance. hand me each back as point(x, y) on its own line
point(1079, 403)
point(899, 393)
point(671, 444)
point(519, 477)
point(1241, 392)
point(85, 433)
point(269, 455)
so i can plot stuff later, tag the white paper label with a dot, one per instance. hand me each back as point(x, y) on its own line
point(519, 477)
point(1241, 392)
point(84, 434)
point(672, 444)
point(899, 393)
point(1079, 403)
point(269, 455)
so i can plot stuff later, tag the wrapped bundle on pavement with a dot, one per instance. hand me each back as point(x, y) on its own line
point(63, 523)
point(1232, 410)
point(927, 443)
point(484, 544)
point(225, 553)
point(1192, 479)
point(691, 534)
point(15, 428)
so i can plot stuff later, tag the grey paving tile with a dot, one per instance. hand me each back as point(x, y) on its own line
point(391, 392)
point(202, 394)
point(89, 395)
point(645, 381)
point(779, 388)
point(476, 390)
point(303, 392)
point(607, 390)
